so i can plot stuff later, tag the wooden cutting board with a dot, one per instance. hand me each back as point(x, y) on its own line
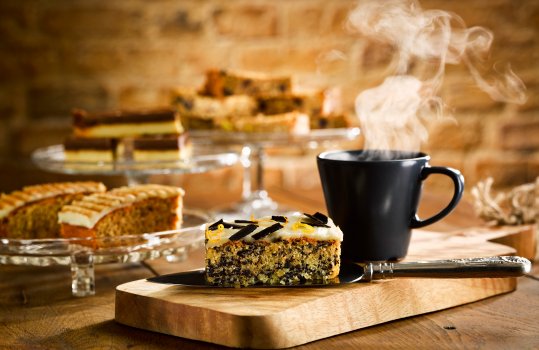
point(272, 318)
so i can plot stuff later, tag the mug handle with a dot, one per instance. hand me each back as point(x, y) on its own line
point(458, 181)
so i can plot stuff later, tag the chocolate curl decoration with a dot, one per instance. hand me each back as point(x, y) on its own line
point(243, 232)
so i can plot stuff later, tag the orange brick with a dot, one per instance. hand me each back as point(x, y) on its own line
point(475, 13)
point(532, 93)
point(16, 23)
point(39, 134)
point(5, 144)
point(58, 100)
point(164, 64)
point(507, 169)
point(75, 22)
point(280, 58)
point(451, 134)
point(461, 94)
point(181, 21)
point(10, 99)
point(249, 21)
point(143, 96)
point(27, 63)
point(339, 17)
point(522, 135)
point(305, 21)
point(376, 55)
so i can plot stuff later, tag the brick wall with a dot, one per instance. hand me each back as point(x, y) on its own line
point(55, 55)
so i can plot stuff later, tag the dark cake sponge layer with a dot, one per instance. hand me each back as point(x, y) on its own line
point(281, 262)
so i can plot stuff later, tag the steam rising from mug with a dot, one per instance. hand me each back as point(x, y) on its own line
point(393, 114)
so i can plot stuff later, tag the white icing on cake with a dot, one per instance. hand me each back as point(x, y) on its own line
point(292, 229)
point(30, 194)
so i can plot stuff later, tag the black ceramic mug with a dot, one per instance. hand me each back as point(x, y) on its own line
point(373, 197)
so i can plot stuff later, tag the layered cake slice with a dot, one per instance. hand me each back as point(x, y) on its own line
point(33, 211)
point(126, 123)
point(221, 83)
point(274, 250)
point(123, 211)
point(169, 148)
point(78, 149)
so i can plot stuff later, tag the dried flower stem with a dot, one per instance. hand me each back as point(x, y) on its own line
point(519, 206)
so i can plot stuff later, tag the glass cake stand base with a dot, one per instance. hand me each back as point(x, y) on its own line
point(82, 254)
point(255, 199)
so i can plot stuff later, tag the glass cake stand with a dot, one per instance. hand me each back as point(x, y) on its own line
point(255, 199)
point(81, 254)
point(52, 159)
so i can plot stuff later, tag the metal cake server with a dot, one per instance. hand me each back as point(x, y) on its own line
point(494, 267)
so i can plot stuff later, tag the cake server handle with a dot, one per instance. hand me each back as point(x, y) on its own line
point(497, 266)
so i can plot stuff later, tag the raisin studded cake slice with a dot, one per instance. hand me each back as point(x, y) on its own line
point(33, 211)
point(274, 250)
point(222, 82)
point(293, 123)
point(190, 103)
point(123, 211)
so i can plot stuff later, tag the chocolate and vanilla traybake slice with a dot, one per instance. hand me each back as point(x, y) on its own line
point(127, 123)
point(274, 250)
point(33, 211)
point(122, 211)
point(79, 149)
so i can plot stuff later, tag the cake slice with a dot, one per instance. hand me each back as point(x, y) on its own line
point(33, 211)
point(123, 211)
point(78, 149)
point(292, 123)
point(331, 121)
point(190, 103)
point(309, 103)
point(220, 82)
point(126, 123)
point(168, 148)
point(274, 250)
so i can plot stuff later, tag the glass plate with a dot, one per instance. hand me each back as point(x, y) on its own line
point(82, 253)
point(273, 138)
point(52, 158)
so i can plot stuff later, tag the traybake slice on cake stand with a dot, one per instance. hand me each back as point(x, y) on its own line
point(33, 211)
point(123, 211)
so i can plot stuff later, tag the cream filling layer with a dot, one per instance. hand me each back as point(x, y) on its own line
point(183, 153)
point(292, 229)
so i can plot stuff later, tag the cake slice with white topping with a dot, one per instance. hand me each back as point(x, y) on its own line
point(33, 211)
point(276, 250)
point(123, 211)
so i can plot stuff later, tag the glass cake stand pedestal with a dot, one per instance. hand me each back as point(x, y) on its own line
point(255, 199)
point(82, 254)
point(52, 159)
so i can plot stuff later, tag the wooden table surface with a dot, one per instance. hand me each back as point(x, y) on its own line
point(37, 310)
